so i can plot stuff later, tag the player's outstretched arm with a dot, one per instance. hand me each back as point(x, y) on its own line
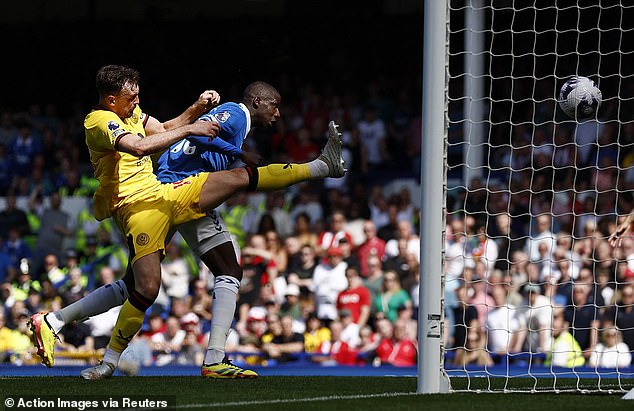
point(206, 101)
point(622, 229)
point(139, 146)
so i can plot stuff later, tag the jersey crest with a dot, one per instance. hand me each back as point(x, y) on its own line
point(222, 117)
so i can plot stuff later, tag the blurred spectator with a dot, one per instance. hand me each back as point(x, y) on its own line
point(474, 351)
point(465, 317)
point(303, 230)
point(6, 173)
point(374, 280)
point(611, 352)
point(238, 216)
point(24, 282)
point(109, 251)
point(355, 298)
point(338, 351)
point(389, 230)
point(507, 240)
point(292, 307)
point(391, 296)
point(201, 301)
point(50, 298)
point(372, 133)
point(250, 333)
point(274, 207)
point(8, 271)
point(481, 299)
point(53, 272)
point(73, 290)
point(302, 275)
point(565, 351)
point(399, 350)
point(34, 303)
point(350, 329)
point(55, 228)
point(583, 318)
point(330, 238)
point(20, 340)
point(400, 262)
point(379, 208)
point(175, 272)
point(6, 336)
point(274, 246)
point(501, 321)
point(191, 353)
point(17, 249)
point(256, 249)
point(622, 313)
point(484, 250)
point(305, 212)
point(292, 248)
point(255, 276)
point(316, 334)
point(535, 315)
point(358, 153)
point(373, 245)
point(346, 250)
point(406, 233)
point(76, 336)
point(101, 326)
point(106, 275)
point(13, 218)
point(167, 344)
point(282, 342)
point(23, 149)
point(542, 234)
point(329, 279)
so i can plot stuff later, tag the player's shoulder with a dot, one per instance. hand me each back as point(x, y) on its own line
point(228, 112)
point(98, 115)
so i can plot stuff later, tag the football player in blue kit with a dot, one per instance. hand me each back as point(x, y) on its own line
point(208, 237)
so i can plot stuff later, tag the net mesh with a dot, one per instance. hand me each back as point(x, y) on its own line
point(533, 289)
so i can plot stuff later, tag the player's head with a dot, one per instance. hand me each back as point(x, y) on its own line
point(118, 88)
point(263, 102)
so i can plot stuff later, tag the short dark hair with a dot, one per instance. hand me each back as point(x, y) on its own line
point(262, 90)
point(112, 78)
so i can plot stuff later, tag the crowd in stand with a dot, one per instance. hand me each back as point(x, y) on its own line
point(330, 266)
point(331, 269)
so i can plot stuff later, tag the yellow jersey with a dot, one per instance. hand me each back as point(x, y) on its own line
point(123, 178)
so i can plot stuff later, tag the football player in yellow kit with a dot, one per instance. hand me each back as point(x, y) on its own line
point(120, 138)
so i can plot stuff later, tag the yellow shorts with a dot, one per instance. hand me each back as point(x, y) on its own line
point(145, 223)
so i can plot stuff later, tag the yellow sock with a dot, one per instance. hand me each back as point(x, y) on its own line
point(128, 324)
point(277, 176)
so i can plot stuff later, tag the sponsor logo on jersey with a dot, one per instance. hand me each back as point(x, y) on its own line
point(180, 183)
point(143, 160)
point(117, 133)
point(350, 298)
point(113, 125)
point(222, 117)
point(142, 239)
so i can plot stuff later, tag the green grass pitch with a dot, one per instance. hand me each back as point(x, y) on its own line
point(311, 393)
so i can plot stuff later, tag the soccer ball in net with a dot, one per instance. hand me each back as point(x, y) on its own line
point(579, 97)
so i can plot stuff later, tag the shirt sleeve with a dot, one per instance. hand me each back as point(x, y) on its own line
point(111, 126)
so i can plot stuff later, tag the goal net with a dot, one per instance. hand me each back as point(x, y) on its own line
point(535, 296)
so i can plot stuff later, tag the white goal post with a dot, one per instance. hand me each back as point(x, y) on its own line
point(520, 289)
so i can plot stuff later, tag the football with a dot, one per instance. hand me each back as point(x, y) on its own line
point(579, 97)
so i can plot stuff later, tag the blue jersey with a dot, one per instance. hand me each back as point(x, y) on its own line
point(195, 155)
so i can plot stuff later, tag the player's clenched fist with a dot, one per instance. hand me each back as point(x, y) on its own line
point(209, 99)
